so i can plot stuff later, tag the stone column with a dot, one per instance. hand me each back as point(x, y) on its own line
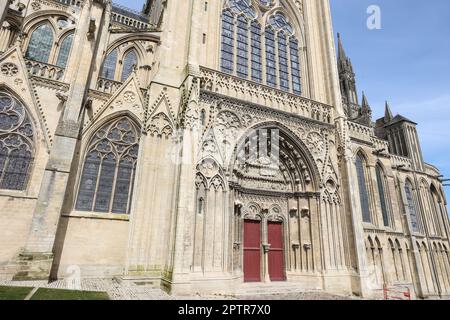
point(422, 210)
point(266, 250)
point(185, 207)
point(317, 238)
point(5, 36)
point(173, 51)
point(350, 184)
point(38, 252)
point(296, 247)
point(444, 214)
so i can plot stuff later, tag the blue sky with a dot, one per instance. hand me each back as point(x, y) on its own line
point(406, 62)
point(132, 4)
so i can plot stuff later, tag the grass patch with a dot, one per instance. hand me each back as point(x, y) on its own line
point(61, 294)
point(14, 293)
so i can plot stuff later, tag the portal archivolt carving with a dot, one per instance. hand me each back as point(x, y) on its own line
point(233, 118)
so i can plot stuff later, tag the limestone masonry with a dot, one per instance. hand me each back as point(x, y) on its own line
point(198, 146)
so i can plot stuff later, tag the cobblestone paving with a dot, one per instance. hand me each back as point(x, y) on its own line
point(299, 296)
point(120, 292)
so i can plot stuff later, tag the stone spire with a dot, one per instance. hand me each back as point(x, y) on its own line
point(365, 111)
point(154, 10)
point(364, 104)
point(147, 6)
point(387, 113)
point(347, 81)
point(344, 62)
point(341, 51)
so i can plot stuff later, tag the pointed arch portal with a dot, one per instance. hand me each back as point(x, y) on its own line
point(272, 175)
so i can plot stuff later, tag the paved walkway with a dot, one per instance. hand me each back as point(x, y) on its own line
point(120, 292)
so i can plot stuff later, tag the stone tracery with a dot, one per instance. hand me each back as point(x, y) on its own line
point(110, 161)
point(16, 143)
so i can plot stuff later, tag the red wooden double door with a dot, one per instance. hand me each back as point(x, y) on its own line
point(253, 251)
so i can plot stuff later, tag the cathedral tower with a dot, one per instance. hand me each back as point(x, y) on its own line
point(402, 136)
point(347, 81)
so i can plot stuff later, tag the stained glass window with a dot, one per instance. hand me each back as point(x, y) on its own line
point(243, 6)
point(271, 72)
point(16, 143)
point(283, 61)
point(41, 43)
point(285, 34)
point(295, 66)
point(105, 183)
point(129, 63)
point(124, 174)
point(411, 206)
point(64, 51)
point(363, 195)
point(242, 47)
point(266, 2)
point(279, 21)
point(382, 194)
point(256, 52)
point(227, 42)
point(242, 42)
point(62, 23)
point(109, 169)
point(109, 66)
point(89, 181)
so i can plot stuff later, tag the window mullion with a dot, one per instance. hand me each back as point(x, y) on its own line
point(99, 173)
point(288, 68)
point(113, 190)
point(131, 188)
point(5, 166)
point(235, 44)
point(369, 191)
point(249, 50)
point(53, 53)
point(388, 203)
point(263, 56)
point(118, 70)
point(277, 61)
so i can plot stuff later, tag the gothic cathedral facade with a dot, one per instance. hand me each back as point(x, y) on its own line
point(201, 145)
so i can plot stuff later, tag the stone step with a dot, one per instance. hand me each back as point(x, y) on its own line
point(267, 292)
point(31, 266)
point(139, 281)
point(270, 289)
point(10, 268)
